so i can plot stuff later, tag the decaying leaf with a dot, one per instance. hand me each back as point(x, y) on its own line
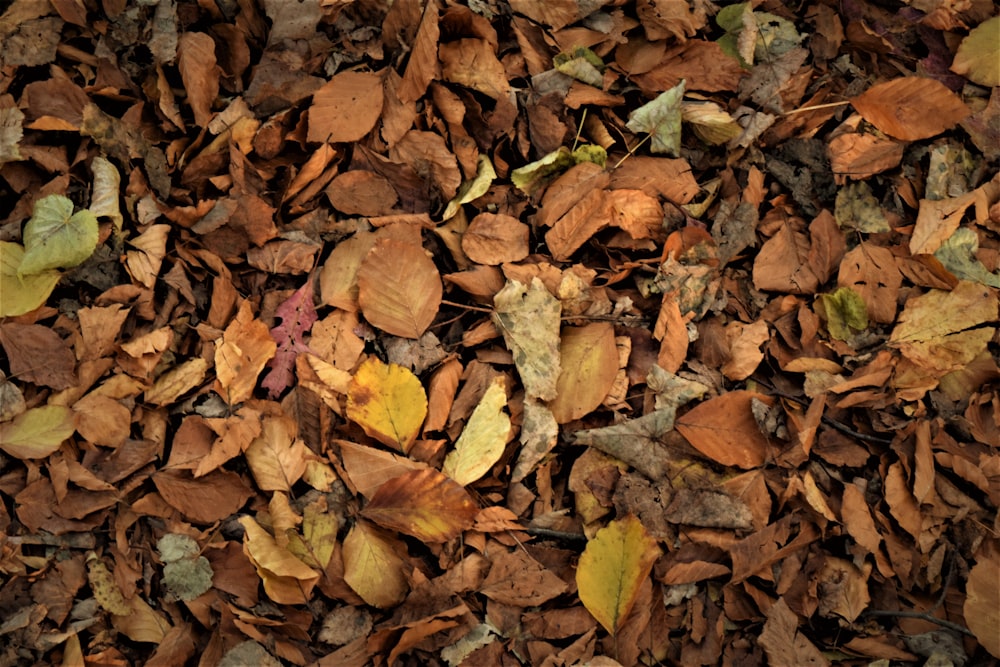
point(528, 318)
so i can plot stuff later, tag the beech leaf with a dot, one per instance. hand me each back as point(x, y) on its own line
point(388, 402)
point(37, 432)
point(483, 439)
point(22, 294)
point(612, 567)
point(528, 318)
point(426, 504)
point(373, 568)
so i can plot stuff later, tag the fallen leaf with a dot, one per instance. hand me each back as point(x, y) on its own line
point(724, 429)
point(483, 439)
point(528, 318)
point(589, 360)
point(982, 602)
point(399, 288)
point(373, 568)
point(783, 643)
point(286, 579)
point(898, 107)
point(56, 237)
point(245, 348)
point(37, 432)
point(612, 567)
point(978, 57)
point(426, 504)
point(346, 108)
point(388, 402)
point(661, 119)
point(22, 294)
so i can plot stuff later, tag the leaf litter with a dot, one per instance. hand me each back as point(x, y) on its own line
point(509, 333)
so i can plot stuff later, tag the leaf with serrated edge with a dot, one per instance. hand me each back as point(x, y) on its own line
point(425, 504)
point(483, 438)
point(613, 567)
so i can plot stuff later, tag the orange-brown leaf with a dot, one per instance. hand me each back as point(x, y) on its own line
point(426, 504)
point(399, 288)
point(724, 430)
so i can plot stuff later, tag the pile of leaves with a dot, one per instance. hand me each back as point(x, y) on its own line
point(527, 332)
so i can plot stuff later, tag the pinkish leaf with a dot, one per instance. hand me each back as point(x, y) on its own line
point(298, 314)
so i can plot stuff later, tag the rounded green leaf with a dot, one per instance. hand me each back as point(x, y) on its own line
point(21, 295)
point(56, 237)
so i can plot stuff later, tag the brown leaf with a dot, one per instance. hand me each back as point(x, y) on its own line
point(346, 108)
point(517, 578)
point(423, 503)
point(203, 500)
point(783, 643)
point(38, 355)
point(495, 239)
point(724, 430)
point(199, 72)
point(899, 107)
point(399, 288)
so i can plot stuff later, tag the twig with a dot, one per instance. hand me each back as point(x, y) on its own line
point(562, 535)
point(922, 615)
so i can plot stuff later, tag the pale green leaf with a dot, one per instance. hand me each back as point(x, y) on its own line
point(857, 208)
point(958, 255)
point(22, 295)
point(846, 313)
point(188, 578)
point(581, 64)
point(56, 237)
point(174, 546)
point(532, 176)
point(661, 118)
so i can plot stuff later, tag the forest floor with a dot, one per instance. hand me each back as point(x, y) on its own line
point(633, 332)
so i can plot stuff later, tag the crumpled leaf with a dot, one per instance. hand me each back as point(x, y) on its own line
point(22, 294)
point(55, 237)
point(846, 313)
point(534, 175)
point(857, 208)
point(483, 439)
point(612, 567)
point(710, 122)
point(38, 432)
point(473, 189)
point(539, 435)
point(661, 118)
point(388, 402)
point(244, 350)
point(373, 568)
point(582, 64)
point(104, 587)
point(940, 331)
point(425, 504)
point(106, 191)
point(298, 314)
point(978, 55)
point(528, 318)
point(276, 457)
point(287, 580)
point(755, 36)
point(958, 255)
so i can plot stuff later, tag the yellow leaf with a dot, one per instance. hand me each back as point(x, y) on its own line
point(426, 504)
point(611, 569)
point(388, 402)
point(176, 382)
point(36, 433)
point(319, 535)
point(277, 458)
point(373, 568)
point(483, 439)
point(528, 317)
point(589, 359)
point(105, 589)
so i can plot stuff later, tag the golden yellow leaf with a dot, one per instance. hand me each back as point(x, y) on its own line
point(373, 568)
point(318, 541)
point(589, 360)
point(611, 569)
point(483, 438)
point(176, 382)
point(142, 623)
point(388, 402)
point(426, 504)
